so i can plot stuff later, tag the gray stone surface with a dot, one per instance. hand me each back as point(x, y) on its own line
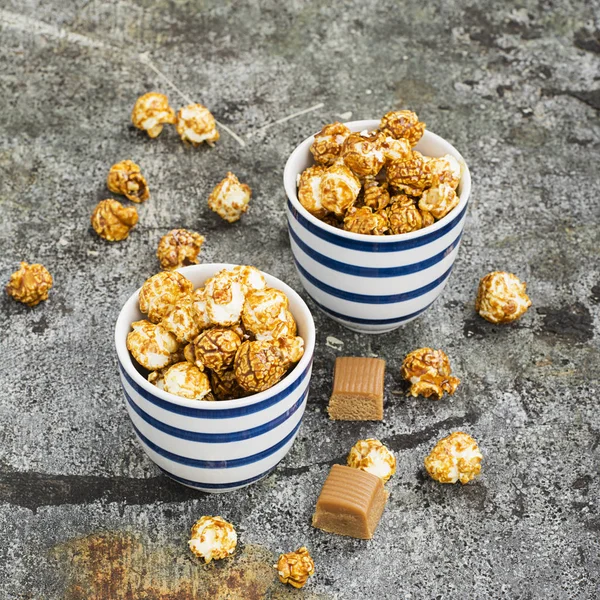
point(83, 512)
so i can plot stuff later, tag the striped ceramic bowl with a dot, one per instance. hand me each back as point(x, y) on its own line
point(373, 284)
point(216, 446)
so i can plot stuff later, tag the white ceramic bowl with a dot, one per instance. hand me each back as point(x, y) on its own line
point(224, 445)
point(373, 284)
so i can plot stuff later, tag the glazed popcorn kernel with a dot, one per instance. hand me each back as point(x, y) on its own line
point(362, 153)
point(112, 221)
point(376, 194)
point(157, 378)
point(445, 169)
point(294, 568)
point(263, 310)
point(30, 284)
point(501, 297)
point(126, 179)
point(178, 248)
point(224, 298)
point(454, 458)
point(439, 201)
point(372, 456)
point(403, 124)
point(195, 124)
point(339, 189)
point(429, 373)
point(199, 307)
point(364, 220)
point(215, 349)
point(259, 365)
point(181, 320)
point(161, 292)
point(225, 385)
point(150, 112)
point(230, 198)
point(394, 149)
point(309, 191)
point(291, 345)
point(403, 215)
point(187, 381)
point(249, 277)
point(212, 538)
point(151, 345)
point(411, 175)
point(327, 146)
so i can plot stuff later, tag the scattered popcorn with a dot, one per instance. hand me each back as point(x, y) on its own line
point(230, 198)
point(445, 169)
point(179, 248)
point(250, 278)
point(309, 191)
point(195, 124)
point(151, 345)
point(363, 154)
point(259, 365)
point(339, 189)
point(327, 147)
point(181, 320)
point(161, 292)
point(454, 458)
point(429, 373)
point(126, 179)
point(294, 568)
point(187, 381)
point(30, 284)
point(403, 215)
point(411, 175)
point(264, 310)
point(376, 194)
point(439, 201)
point(112, 221)
point(403, 124)
point(394, 149)
point(372, 456)
point(212, 538)
point(215, 349)
point(150, 112)
point(225, 386)
point(224, 299)
point(364, 220)
point(501, 297)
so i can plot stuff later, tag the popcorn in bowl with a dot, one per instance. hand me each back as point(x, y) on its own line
point(327, 147)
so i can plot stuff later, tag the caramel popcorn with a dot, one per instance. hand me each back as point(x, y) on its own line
point(501, 297)
point(426, 218)
point(309, 191)
point(112, 221)
point(151, 345)
point(403, 215)
point(339, 189)
point(296, 567)
point(126, 179)
point(291, 345)
point(411, 175)
point(439, 201)
point(327, 147)
point(30, 284)
point(187, 381)
point(215, 349)
point(178, 248)
point(372, 456)
point(249, 277)
point(230, 198)
point(195, 124)
point(264, 310)
point(157, 378)
point(364, 220)
point(259, 365)
point(150, 112)
point(212, 538)
point(376, 194)
point(225, 385)
point(181, 320)
point(199, 306)
point(454, 458)
point(362, 153)
point(161, 291)
point(445, 169)
point(394, 149)
point(224, 299)
point(403, 124)
point(429, 373)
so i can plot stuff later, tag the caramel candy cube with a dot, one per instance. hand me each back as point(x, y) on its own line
point(357, 389)
point(351, 503)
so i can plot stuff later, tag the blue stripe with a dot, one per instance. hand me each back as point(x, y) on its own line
point(218, 413)
point(216, 486)
point(367, 299)
point(214, 438)
point(375, 273)
point(376, 245)
point(217, 464)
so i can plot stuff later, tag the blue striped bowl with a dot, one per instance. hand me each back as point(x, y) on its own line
point(373, 284)
point(216, 446)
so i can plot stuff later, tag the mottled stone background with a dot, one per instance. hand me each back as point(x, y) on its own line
point(83, 513)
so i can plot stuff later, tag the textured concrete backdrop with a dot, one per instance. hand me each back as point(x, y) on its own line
point(83, 512)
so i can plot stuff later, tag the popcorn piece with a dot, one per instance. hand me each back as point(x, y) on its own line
point(394, 149)
point(332, 221)
point(296, 567)
point(30, 284)
point(364, 220)
point(215, 349)
point(327, 147)
point(224, 299)
point(150, 112)
point(178, 248)
point(403, 215)
point(112, 221)
point(501, 297)
point(187, 381)
point(161, 292)
point(196, 124)
point(426, 218)
point(259, 365)
point(212, 538)
point(180, 320)
point(410, 175)
point(199, 306)
point(126, 179)
point(439, 201)
point(376, 194)
point(291, 345)
point(403, 124)
point(372, 456)
point(151, 345)
point(363, 154)
point(309, 191)
point(250, 278)
point(157, 378)
point(339, 189)
point(429, 373)
point(264, 310)
point(230, 198)
point(225, 386)
point(445, 169)
point(454, 458)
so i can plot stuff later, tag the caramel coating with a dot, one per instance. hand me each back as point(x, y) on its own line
point(151, 345)
point(112, 221)
point(364, 220)
point(150, 112)
point(264, 310)
point(426, 218)
point(376, 194)
point(439, 201)
point(394, 149)
point(249, 277)
point(224, 298)
point(212, 538)
point(327, 146)
point(195, 124)
point(161, 292)
point(215, 349)
point(259, 365)
point(411, 175)
point(199, 307)
point(180, 320)
point(230, 198)
point(501, 297)
point(30, 284)
point(309, 190)
point(454, 458)
point(445, 169)
point(339, 189)
point(429, 373)
point(403, 215)
point(291, 345)
point(125, 178)
point(187, 381)
point(225, 385)
point(294, 568)
point(157, 378)
point(362, 153)
point(372, 456)
point(403, 124)
point(178, 248)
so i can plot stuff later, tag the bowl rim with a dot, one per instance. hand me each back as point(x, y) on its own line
point(290, 185)
point(123, 326)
